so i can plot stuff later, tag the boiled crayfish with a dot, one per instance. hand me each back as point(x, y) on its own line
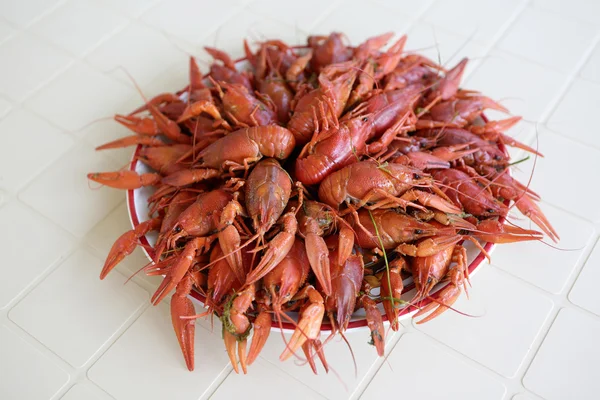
point(277, 189)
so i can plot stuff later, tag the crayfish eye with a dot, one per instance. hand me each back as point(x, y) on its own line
point(416, 176)
point(277, 288)
point(429, 280)
point(418, 231)
point(365, 119)
point(490, 210)
point(177, 229)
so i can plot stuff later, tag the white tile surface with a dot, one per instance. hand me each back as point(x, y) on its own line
point(523, 87)
point(64, 194)
point(584, 293)
point(483, 20)
point(22, 13)
point(81, 392)
point(79, 107)
point(268, 380)
point(5, 31)
point(591, 70)
point(523, 53)
point(566, 123)
point(577, 168)
point(342, 383)
point(29, 374)
point(487, 337)
point(5, 107)
point(407, 7)
point(583, 9)
point(142, 51)
point(193, 25)
point(23, 130)
point(27, 63)
point(254, 28)
point(149, 349)
point(303, 18)
point(521, 396)
point(436, 43)
point(20, 265)
point(541, 264)
point(131, 8)
point(78, 26)
point(557, 364)
point(534, 36)
point(430, 362)
point(73, 302)
point(343, 19)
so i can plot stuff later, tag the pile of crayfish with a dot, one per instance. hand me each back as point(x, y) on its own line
point(316, 180)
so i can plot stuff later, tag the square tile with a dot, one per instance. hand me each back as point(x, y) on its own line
point(73, 302)
point(22, 13)
point(483, 20)
point(6, 31)
point(521, 396)
point(266, 379)
point(582, 9)
point(86, 96)
point(354, 10)
point(175, 77)
point(534, 36)
point(591, 69)
point(82, 392)
point(486, 337)
point(525, 88)
point(137, 50)
point(584, 292)
point(22, 366)
point(198, 21)
point(254, 28)
point(27, 64)
point(44, 143)
point(430, 362)
point(562, 366)
point(538, 263)
point(444, 46)
point(581, 98)
point(130, 8)
point(411, 8)
point(555, 181)
point(65, 195)
point(303, 18)
point(26, 227)
point(5, 107)
point(149, 348)
point(341, 382)
point(78, 26)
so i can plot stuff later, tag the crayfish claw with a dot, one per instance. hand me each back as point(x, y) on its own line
point(182, 309)
point(441, 302)
point(262, 328)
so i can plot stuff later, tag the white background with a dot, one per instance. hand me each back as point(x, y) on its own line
point(65, 334)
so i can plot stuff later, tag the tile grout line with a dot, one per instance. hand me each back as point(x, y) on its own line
point(552, 106)
point(79, 244)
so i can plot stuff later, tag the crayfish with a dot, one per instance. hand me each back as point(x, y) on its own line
point(319, 181)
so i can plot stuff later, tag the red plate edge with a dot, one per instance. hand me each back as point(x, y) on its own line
point(325, 326)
